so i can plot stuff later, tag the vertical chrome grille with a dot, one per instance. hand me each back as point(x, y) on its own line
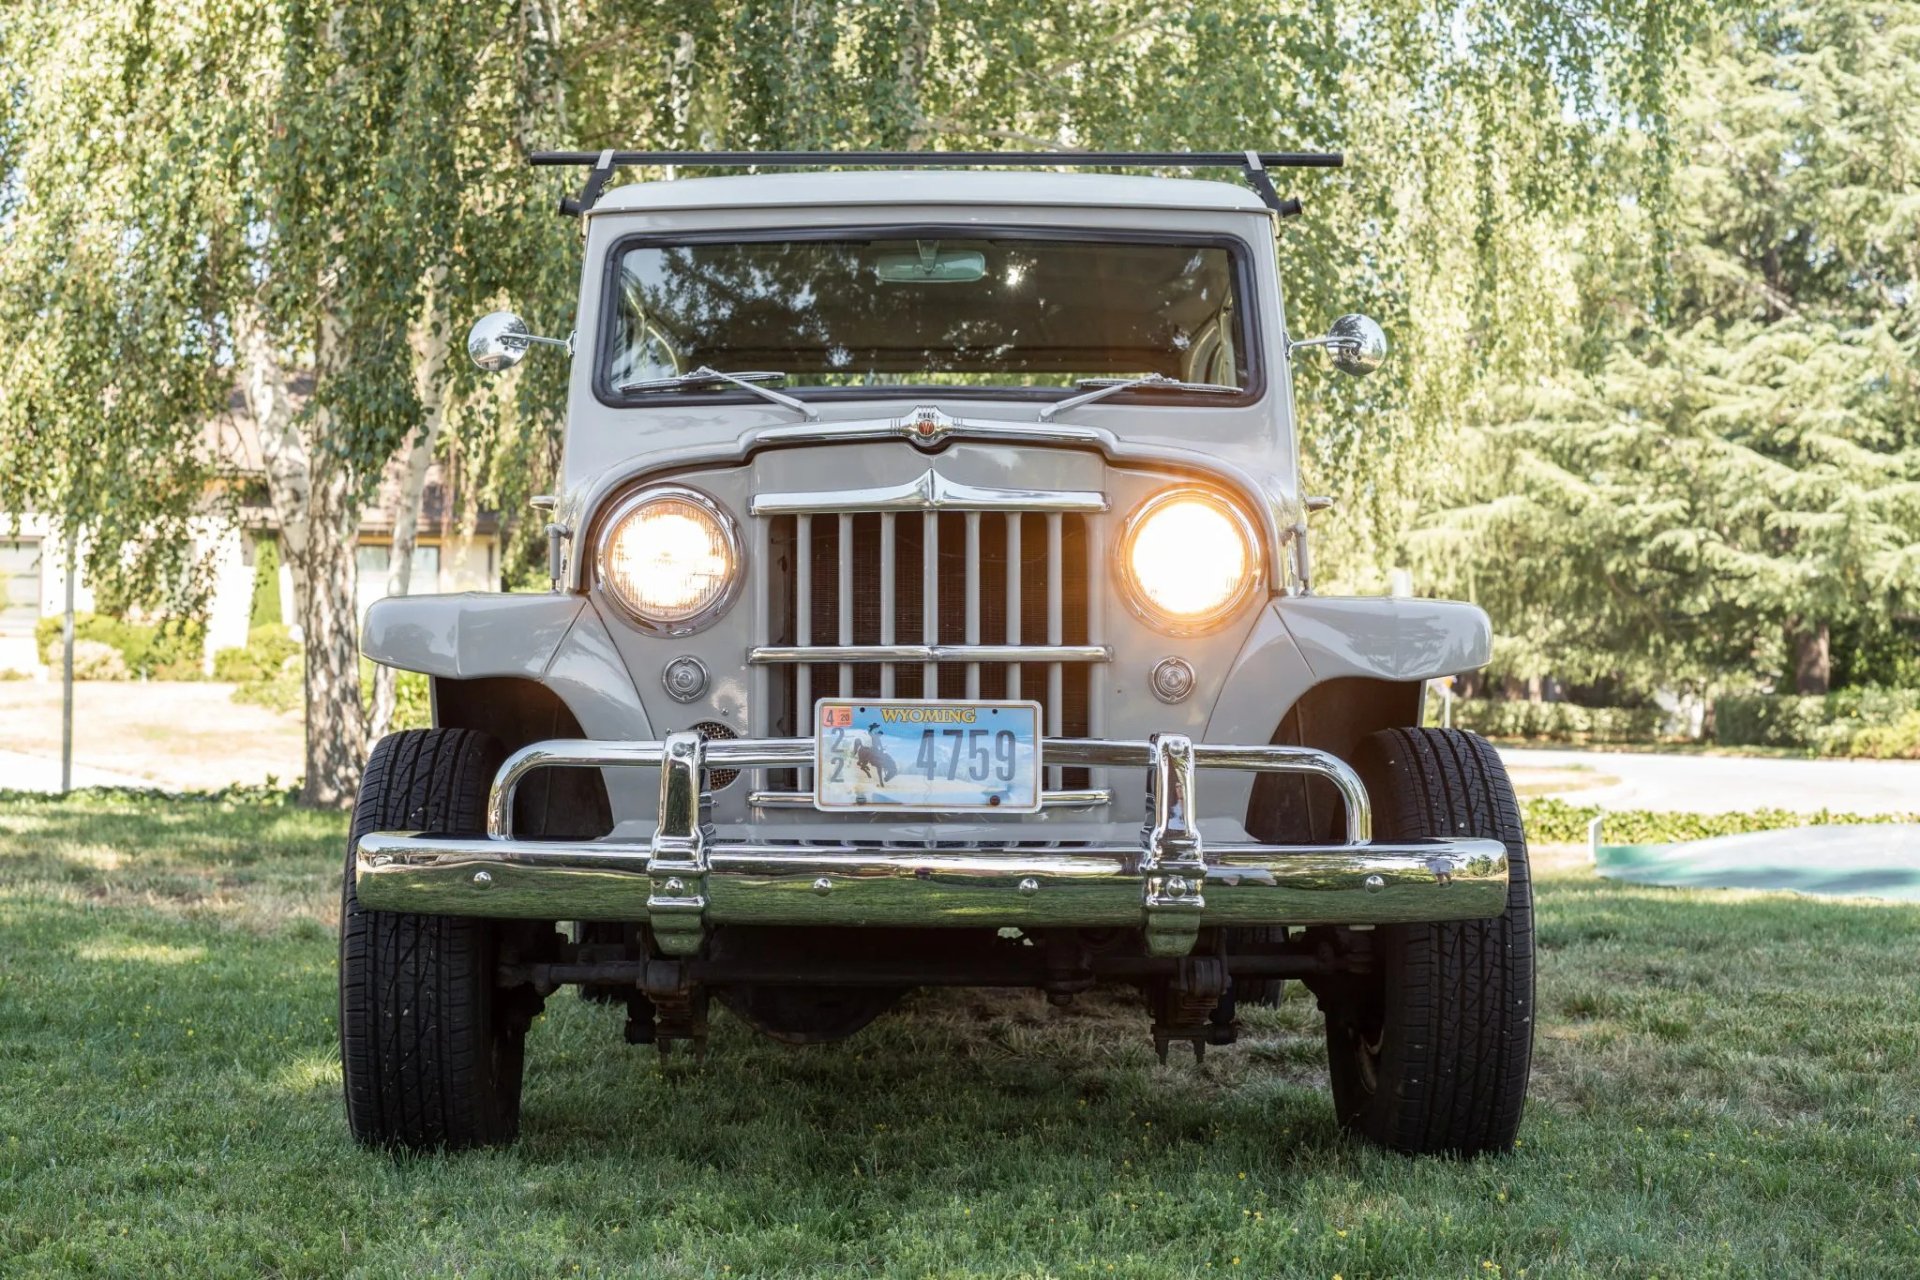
point(945, 580)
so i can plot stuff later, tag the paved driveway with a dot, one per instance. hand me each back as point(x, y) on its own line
point(20, 772)
point(1722, 784)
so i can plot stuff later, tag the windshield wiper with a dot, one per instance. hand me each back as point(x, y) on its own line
point(706, 377)
point(1113, 386)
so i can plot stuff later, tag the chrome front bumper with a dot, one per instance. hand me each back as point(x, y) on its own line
point(1168, 882)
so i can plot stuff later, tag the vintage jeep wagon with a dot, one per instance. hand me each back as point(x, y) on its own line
point(931, 605)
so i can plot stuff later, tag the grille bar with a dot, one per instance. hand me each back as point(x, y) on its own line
point(801, 655)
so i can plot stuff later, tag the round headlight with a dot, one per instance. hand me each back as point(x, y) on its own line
point(1188, 558)
point(671, 557)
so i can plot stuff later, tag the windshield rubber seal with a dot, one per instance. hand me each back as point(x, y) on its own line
point(1238, 252)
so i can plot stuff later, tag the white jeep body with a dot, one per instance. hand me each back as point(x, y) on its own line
point(658, 776)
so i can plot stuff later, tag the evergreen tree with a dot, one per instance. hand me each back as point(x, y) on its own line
point(1730, 481)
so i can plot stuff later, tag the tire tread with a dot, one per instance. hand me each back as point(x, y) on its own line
point(1458, 995)
point(417, 1023)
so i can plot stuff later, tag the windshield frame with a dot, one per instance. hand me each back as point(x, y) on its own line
point(1238, 249)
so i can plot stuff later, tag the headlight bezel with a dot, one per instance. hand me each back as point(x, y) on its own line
point(1136, 595)
point(618, 514)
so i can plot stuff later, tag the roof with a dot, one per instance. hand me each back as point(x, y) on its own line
point(924, 187)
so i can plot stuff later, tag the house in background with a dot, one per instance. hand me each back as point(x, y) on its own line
point(447, 556)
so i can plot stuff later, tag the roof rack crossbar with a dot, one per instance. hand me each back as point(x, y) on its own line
point(1253, 164)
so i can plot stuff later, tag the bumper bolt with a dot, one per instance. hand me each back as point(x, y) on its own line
point(674, 887)
point(1375, 883)
point(483, 879)
point(1029, 887)
point(823, 886)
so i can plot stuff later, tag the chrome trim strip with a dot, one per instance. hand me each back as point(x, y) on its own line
point(931, 492)
point(929, 653)
point(1089, 799)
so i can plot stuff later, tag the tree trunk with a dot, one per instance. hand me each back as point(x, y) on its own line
point(1811, 643)
point(431, 347)
point(336, 725)
point(318, 523)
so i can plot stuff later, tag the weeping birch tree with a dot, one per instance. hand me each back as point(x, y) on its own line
point(348, 177)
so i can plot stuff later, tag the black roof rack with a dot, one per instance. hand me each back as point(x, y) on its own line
point(1253, 164)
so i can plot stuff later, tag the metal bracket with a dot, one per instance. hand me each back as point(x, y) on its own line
point(1256, 175)
point(677, 858)
point(1173, 865)
point(576, 206)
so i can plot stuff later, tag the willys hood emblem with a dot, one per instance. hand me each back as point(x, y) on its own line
point(926, 425)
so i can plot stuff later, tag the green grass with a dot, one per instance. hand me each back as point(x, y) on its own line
point(1726, 1084)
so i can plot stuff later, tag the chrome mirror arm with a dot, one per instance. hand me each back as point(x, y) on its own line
point(1357, 343)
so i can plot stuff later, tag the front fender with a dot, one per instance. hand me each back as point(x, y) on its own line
point(553, 639)
point(1302, 641)
point(469, 635)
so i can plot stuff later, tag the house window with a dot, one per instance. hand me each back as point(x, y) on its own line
point(19, 585)
point(373, 560)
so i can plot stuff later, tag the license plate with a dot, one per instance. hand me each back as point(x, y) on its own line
point(938, 756)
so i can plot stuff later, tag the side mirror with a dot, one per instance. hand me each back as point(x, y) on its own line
point(1358, 345)
point(499, 340)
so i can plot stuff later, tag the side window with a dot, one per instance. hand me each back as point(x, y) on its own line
point(19, 585)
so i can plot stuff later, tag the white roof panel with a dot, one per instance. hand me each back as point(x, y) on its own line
point(928, 187)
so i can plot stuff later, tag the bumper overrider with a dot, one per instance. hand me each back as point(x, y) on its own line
point(1168, 882)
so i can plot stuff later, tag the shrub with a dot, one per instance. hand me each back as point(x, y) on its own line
point(93, 660)
point(266, 584)
point(167, 650)
point(1558, 721)
point(1899, 740)
point(267, 649)
point(1859, 721)
point(1553, 821)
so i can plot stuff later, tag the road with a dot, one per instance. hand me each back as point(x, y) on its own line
point(1722, 784)
point(21, 772)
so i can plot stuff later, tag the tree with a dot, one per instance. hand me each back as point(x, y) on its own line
point(109, 300)
point(1728, 483)
point(349, 188)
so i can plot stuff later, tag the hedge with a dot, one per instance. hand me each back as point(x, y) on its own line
point(1558, 721)
point(1552, 821)
point(170, 649)
point(266, 653)
point(1875, 721)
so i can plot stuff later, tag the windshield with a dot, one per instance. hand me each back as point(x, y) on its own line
point(972, 310)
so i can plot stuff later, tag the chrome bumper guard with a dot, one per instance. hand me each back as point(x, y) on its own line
point(1167, 882)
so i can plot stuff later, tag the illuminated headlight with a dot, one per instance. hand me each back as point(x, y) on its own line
point(671, 558)
point(1188, 558)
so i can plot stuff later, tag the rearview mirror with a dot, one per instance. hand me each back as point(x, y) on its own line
point(499, 340)
point(1357, 344)
point(930, 264)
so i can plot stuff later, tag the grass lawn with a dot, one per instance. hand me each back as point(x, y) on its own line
point(1726, 1084)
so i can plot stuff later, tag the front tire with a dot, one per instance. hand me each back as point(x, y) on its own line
point(431, 1051)
point(1430, 1053)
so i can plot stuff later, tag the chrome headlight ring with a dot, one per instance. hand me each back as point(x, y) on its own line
point(1234, 521)
point(665, 621)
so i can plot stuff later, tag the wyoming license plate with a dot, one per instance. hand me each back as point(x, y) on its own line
point(938, 756)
